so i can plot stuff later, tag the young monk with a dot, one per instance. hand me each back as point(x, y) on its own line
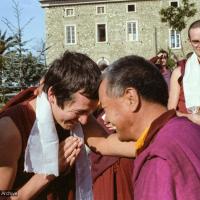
point(41, 135)
point(184, 95)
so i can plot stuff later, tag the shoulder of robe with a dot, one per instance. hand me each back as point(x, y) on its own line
point(10, 139)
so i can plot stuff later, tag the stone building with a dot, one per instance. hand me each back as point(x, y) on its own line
point(109, 29)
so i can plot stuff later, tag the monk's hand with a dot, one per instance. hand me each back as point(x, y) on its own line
point(194, 118)
point(68, 151)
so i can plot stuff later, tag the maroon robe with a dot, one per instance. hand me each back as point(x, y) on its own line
point(181, 102)
point(63, 187)
point(111, 175)
point(168, 165)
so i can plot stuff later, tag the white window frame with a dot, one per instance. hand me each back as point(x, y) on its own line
point(128, 5)
point(127, 38)
point(99, 7)
point(174, 1)
point(66, 43)
point(69, 8)
point(105, 32)
point(170, 39)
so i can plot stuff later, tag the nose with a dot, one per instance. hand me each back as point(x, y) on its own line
point(83, 119)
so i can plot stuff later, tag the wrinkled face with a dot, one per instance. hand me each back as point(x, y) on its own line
point(195, 40)
point(74, 111)
point(117, 113)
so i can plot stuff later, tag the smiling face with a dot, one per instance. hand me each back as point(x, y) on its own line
point(194, 35)
point(74, 111)
point(118, 112)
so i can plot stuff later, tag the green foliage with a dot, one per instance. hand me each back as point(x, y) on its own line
point(18, 67)
point(176, 17)
point(6, 42)
point(22, 71)
point(171, 62)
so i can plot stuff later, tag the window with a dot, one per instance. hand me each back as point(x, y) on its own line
point(132, 34)
point(101, 33)
point(174, 4)
point(101, 10)
point(69, 12)
point(131, 8)
point(70, 34)
point(175, 38)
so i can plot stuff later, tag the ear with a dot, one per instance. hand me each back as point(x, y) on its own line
point(51, 96)
point(132, 99)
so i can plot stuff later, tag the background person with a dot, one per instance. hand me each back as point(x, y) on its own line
point(189, 70)
point(160, 60)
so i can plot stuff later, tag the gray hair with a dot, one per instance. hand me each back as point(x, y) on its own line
point(138, 73)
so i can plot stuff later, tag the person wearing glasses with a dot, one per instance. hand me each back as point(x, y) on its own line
point(160, 60)
point(184, 94)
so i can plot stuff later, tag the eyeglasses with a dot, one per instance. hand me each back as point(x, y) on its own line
point(195, 42)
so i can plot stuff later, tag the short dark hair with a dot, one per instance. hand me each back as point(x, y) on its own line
point(71, 73)
point(103, 66)
point(195, 24)
point(134, 71)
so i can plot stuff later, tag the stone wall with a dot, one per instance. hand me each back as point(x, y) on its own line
point(152, 34)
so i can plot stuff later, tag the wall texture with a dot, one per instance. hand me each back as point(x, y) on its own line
point(152, 34)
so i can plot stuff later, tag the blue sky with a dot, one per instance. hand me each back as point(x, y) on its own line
point(34, 31)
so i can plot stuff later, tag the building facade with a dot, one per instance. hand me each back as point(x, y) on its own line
point(108, 29)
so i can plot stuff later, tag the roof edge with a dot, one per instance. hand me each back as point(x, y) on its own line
point(53, 3)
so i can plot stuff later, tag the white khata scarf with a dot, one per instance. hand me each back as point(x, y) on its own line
point(191, 84)
point(41, 154)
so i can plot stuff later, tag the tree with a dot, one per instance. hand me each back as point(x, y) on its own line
point(5, 44)
point(31, 68)
point(177, 17)
point(41, 49)
point(22, 68)
point(17, 29)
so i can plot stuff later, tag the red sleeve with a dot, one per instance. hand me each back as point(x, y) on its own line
point(20, 97)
